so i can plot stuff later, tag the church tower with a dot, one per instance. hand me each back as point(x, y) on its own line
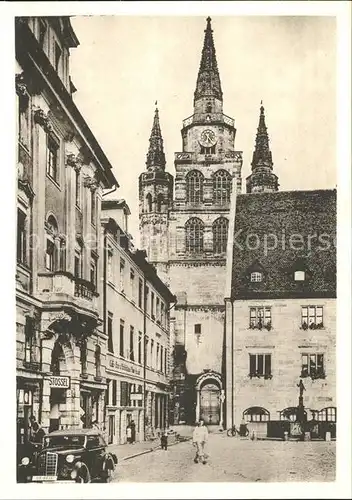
point(207, 169)
point(155, 198)
point(262, 178)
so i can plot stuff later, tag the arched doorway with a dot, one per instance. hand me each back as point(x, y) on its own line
point(210, 403)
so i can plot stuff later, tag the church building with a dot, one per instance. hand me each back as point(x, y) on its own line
point(184, 227)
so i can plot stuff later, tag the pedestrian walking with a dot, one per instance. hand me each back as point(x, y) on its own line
point(133, 431)
point(199, 439)
point(163, 439)
point(129, 433)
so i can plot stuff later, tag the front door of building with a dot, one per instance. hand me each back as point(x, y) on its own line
point(210, 404)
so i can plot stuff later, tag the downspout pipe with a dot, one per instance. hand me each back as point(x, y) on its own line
point(144, 351)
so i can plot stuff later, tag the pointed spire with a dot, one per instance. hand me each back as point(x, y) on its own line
point(208, 81)
point(262, 177)
point(156, 156)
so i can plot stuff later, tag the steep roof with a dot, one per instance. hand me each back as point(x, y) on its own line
point(278, 233)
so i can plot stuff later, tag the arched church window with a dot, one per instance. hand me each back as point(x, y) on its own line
point(149, 202)
point(220, 229)
point(208, 107)
point(160, 201)
point(194, 187)
point(194, 235)
point(221, 187)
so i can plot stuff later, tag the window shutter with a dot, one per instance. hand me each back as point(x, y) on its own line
point(267, 364)
point(252, 364)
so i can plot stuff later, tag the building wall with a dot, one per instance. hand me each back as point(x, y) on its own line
point(286, 342)
point(145, 374)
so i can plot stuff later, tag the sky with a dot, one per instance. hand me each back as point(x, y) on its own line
point(125, 63)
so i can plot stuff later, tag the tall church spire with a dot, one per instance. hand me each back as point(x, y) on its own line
point(208, 81)
point(156, 156)
point(262, 177)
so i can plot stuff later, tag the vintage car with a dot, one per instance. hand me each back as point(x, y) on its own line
point(73, 455)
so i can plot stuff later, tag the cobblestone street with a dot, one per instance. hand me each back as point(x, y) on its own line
point(234, 459)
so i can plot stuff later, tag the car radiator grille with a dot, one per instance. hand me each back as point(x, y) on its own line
point(48, 464)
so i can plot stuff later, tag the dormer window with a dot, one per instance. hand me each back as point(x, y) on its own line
point(299, 275)
point(256, 277)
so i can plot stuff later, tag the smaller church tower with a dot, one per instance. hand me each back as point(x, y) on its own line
point(155, 199)
point(262, 178)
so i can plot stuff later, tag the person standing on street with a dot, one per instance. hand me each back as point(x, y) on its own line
point(163, 439)
point(199, 439)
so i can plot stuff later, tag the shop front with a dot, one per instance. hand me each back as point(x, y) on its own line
point(28, 394)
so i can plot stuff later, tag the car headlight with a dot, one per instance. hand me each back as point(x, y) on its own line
point(70, 459)
point(74, 474)
point(25, 461)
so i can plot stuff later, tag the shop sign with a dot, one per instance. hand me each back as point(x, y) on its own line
point(124, 367)
point(136, 396)
point(60, 382)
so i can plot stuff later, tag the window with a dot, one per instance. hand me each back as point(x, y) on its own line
point(97, 360)
point(124, 394)
point(149, 202)
point(194, 235)
point(31, 348)
point(57, 56)
point(83, 357)
point(313, 366)
point(312, 317)
point(162, 314)
point(220, 229)
point(131, 343)
point(327, 414)
point(21, 237)
point(122, 275)
point(300, 275)
point(194, 187)
point(152, 353)
point(114, 392)
point(159, 202)
point(207, 150)
point(110, 267)
point(198, 332)
point(42, 32)
point(132, 283)
point(140, 337)
point(146, 342)
point(158, 309)
point(49, 255)
point(93, 272)
point(260, 317)
point(165, 360)
point(78, 187)
point(152, 306)
point(122, 338)
point(140, 293)
point(78, 261)
point(52, 158)
point(161, 358)
point(157, 356)
point(256, 277)
point(93, 208)
point(110, 333)
point(221, 187)
point(208, 107)
point(256, 414)
point(260, 365)
point(146, 298)
point(62, 254)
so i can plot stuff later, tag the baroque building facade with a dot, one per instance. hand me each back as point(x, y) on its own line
point(183, 228)
point(62, 173)
point(136, 305)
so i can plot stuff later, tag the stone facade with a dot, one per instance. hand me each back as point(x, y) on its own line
point(61, 176)
point(138, 330)
point(183, 241)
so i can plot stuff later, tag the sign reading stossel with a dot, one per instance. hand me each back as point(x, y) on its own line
point(60, 382)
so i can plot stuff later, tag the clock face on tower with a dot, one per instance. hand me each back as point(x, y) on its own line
point(207, 138)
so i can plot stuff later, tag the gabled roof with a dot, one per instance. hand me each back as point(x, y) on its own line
point(283, 232)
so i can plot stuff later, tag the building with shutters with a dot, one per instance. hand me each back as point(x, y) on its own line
point(137, 318)
point(61, 175)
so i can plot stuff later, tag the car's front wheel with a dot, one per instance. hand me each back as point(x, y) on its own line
point(83, 475)
point(108, 475)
